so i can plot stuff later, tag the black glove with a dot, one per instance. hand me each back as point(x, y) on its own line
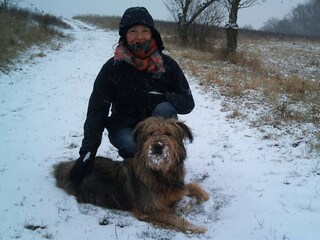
point(154, 98)
point(82, 166)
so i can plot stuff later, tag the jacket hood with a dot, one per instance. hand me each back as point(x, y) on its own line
point(135, 16)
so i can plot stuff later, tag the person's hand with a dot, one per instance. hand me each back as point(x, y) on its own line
point(82, 166)
point(154, 98)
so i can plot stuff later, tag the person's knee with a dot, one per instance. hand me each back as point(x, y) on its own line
point(127, 148)
point(124, 142)
point(165, 110)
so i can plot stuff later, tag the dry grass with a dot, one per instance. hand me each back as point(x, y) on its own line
point(106, 22)
point(234, 75)
point(21, 28)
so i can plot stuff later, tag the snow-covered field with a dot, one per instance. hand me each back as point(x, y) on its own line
point(288, 57)
point(260, 187)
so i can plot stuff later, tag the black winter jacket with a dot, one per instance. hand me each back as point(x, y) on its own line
point(125, 89)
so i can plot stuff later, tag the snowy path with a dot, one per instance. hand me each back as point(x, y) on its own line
point(259, 189)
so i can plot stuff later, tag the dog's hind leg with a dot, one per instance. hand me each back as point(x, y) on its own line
point(171, 221)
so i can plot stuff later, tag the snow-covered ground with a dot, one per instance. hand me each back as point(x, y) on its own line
point(289, 57)
point(260, 187)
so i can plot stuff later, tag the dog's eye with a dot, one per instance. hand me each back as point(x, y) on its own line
point(168, 134)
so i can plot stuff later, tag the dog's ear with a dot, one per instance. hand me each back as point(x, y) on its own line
point(187, 133)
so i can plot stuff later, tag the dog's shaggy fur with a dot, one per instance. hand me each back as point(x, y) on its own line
point(148, 185)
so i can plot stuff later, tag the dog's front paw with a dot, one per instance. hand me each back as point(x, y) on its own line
point(197, 230)
point(194, 190)
point(202, 196)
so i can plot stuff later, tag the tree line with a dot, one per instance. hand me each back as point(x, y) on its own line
point(207, 13)
point(304, 20)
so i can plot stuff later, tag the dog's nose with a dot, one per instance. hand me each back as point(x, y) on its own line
point(157, 148)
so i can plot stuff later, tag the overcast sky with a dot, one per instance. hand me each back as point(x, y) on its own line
point(254, 16)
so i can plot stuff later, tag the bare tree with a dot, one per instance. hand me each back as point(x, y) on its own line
point(187, 12)
point(270, 25)
point(233, 7)
point(202, 28)
point(306, 18)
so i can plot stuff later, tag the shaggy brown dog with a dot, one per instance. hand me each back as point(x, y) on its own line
point(148, 185)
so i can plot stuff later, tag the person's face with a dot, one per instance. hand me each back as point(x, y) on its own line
point(138, 34)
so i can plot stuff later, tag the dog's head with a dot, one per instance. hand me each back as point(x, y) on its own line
point(160, 142)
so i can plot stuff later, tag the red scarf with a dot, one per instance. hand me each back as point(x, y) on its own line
point(144, 57)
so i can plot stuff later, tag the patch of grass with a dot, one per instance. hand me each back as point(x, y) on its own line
point(235, 114)
point(33, 227)
point(240, 58)
point(234, 75)
point(22, 28)
point(293, 98)
point(106, 22)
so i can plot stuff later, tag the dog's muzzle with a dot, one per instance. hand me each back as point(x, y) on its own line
point(158, 153)
point(157, 148)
